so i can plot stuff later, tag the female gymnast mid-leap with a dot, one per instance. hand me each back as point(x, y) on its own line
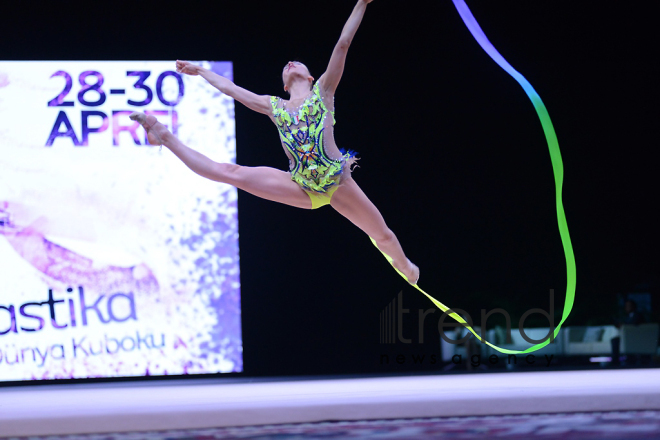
point(319, 172)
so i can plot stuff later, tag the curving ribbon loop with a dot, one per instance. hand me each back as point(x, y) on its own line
point(558, 171)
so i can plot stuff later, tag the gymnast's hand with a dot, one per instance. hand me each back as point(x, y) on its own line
point(187, 67)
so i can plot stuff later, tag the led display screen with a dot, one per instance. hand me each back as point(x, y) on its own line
point(116, 260)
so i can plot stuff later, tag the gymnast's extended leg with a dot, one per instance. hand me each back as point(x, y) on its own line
point(352, 203)
point(265, 182)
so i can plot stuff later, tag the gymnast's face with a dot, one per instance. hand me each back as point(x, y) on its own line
point(292, 70)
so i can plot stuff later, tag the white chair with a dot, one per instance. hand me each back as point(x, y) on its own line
point(588, 340)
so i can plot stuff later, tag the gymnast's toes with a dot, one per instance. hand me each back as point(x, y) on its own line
point(411, 273)
point(138, 116)
point(414, 274)
point(156, 132)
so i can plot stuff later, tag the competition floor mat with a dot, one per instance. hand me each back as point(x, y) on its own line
point(600, 425)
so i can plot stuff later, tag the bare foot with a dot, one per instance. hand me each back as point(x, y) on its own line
point(414, 274)
point(155, 130)
point(411, 272)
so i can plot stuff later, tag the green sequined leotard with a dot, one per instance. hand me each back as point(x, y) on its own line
point(302, 134)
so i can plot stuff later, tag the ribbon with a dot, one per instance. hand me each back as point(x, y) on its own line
point(557, 169)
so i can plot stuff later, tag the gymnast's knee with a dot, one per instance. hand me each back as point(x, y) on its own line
point(384, 237)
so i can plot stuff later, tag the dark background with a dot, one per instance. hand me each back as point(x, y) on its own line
point(453, 155)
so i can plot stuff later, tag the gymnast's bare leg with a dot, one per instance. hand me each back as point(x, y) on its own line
point(265, 182)
point(351, 202)
point(272, 184)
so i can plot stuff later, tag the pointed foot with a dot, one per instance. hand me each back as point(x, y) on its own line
point(138, 116)
point(414, 275)
point(155, 130)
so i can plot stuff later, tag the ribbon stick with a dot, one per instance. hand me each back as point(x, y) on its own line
point(558, 171)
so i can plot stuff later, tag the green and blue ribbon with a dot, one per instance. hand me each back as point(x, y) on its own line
point(558, 171)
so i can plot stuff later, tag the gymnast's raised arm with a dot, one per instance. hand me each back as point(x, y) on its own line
point(330, 79)
point(258, 103)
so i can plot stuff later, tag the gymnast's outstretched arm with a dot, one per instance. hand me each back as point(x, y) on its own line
point(258, 103)
point(330, 79)
point(195, 160)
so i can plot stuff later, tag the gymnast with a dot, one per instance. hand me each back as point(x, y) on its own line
point(319, 172)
